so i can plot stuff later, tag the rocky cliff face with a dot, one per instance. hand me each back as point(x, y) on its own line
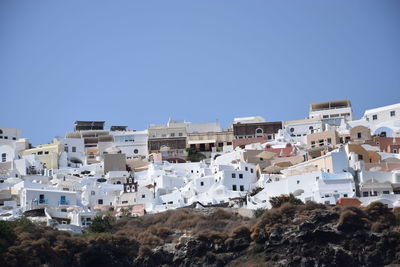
point(290, 235)
point(316, 240)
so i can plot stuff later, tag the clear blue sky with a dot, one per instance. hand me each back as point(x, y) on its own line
point(140, 62)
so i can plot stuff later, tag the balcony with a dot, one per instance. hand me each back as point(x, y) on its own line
point(63, 202)
point(43, 201)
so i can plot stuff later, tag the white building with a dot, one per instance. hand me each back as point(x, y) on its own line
point(34, 198)
point(331, 109)
point(321, 187)
point(74, 153)
point(9, 133)
point(237, 177)
point(131, 143)
point(297, 130)
point(384, 120)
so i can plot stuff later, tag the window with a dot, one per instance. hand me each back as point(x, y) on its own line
point(135, 151)
point(40, 153)
point(329, 140)
point(395, 151)
point(358, 135)
point(3, 157)
point(143, 196)
point(220, 144)
point(233, 175)
point(365, 194)
point(74, 149)
point(392, 113)
point(312, 143)
point(172, 134)
point(201, 183)
point(229, 143)
point(93, 193)
point(1, 131)
point(344, 195)
point(1, 137)
point(291, 130)
point(246, 169)
point(100, 201)
point(251, 170)
point(14, 138)
point(180, 134)
point(46, 152)
point(63, 200)
point(298, 181)
point(241, 188)
point(124, 138)
point(385, 192)
point(66, 149)
point(234, 187)
point(374, 117)
point(240, 176)
point(360, 157)
point(5, 137)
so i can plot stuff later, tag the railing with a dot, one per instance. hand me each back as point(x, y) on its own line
point(41, 202)
point(63, 202)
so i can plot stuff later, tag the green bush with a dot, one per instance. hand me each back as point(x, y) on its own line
point(102, 223)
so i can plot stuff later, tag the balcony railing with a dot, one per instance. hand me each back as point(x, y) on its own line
point(63, 202)
point(41, 201)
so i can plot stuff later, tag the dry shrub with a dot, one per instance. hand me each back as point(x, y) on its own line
point(160, 231)
point(379, 212)
point(396, 213)
point(241, 232)
point(352, 219)
point(312, 205)
point(377, 227)
point(276, 202)
point(212, 236)
point(145, 251)
point(147, 238)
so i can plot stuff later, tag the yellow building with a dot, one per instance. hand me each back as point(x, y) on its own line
point(48, 154)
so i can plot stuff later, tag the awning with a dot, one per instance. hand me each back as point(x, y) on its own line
point(195, 142)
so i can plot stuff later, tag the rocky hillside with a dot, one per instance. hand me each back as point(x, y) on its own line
point(291, 234)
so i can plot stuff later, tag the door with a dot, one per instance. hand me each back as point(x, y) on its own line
point(63, 200)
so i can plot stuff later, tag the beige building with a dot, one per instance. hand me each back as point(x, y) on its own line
point(332, 162)
point(359, 134)
point(320, 139)
point(48, 154)
point(367, 156)
point(206, 141)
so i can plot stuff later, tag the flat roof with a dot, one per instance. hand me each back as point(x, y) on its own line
point(344, 103)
